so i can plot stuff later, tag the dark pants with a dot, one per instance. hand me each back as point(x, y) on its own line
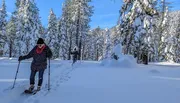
point(74, 59)
point(33, 74)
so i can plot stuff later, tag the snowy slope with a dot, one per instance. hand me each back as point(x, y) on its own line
point(91, 82)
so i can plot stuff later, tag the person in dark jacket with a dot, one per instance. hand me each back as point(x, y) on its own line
point(39, 53)
point(75, 54)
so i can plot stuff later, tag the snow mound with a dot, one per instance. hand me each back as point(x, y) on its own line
point(127, 61)
point(124, 61)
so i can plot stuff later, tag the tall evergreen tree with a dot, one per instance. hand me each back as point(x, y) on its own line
point(10, 38)
point(3, 15)
point(67, 29)
point(173, 41)
point(176, 57)
point(27, 25)
point(135, 19)
point(75, 18)
point(159, 34)
point(116, 35)
point(18, 14)
point(95, 43)
point(31, 24)
point(107, 46)
point(52, 33)
point(63, 39)
point(3, 22)
point(90, 46)
point(82, 12)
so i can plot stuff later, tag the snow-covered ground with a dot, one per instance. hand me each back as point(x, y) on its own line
point(92, 82)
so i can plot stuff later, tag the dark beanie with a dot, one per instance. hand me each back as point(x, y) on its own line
point(40, 41)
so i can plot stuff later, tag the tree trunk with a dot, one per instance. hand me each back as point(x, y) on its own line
point(83, 52)
point(78, 28)
point(70, 45)
point(10, 49)
point(80, 44)
point(97, 56)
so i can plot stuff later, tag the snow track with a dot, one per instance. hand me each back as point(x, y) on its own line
point(60, 73)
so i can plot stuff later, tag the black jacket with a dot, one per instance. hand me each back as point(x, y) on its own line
point(75, 54)
point(39, 60)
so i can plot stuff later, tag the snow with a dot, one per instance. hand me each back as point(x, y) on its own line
point(125, 61)
point(91, 82)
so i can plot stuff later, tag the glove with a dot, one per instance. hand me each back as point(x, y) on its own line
point(49, 54)
point(20, 58)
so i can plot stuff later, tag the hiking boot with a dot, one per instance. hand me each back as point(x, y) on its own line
point(31, 88)
point(38, 88)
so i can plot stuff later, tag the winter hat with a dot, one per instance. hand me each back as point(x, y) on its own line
point(40, 41)
point(75, 48)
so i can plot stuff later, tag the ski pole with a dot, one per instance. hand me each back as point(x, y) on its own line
point(49, 76)
point(16, 75)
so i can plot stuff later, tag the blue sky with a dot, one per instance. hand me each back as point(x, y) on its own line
point(105, 15)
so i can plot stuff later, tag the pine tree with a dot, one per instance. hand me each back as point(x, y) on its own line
point(135, 20)
point(95, 43)
point(82, 12)
point(58, 39)
point(176, 57)
point(63, 39)
point(67, 30)
point(3, 15)
point(11, 38)
point(27, 25)
point(116, 35)
point(172, 40)
point(107, 45)
point(31, 24)
point(3, 23)
point(99, 44)
point(42, 31)
point(159, 33)
point(75, 23)
point(52, 33)
point(18, 14)
point(91, 46)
